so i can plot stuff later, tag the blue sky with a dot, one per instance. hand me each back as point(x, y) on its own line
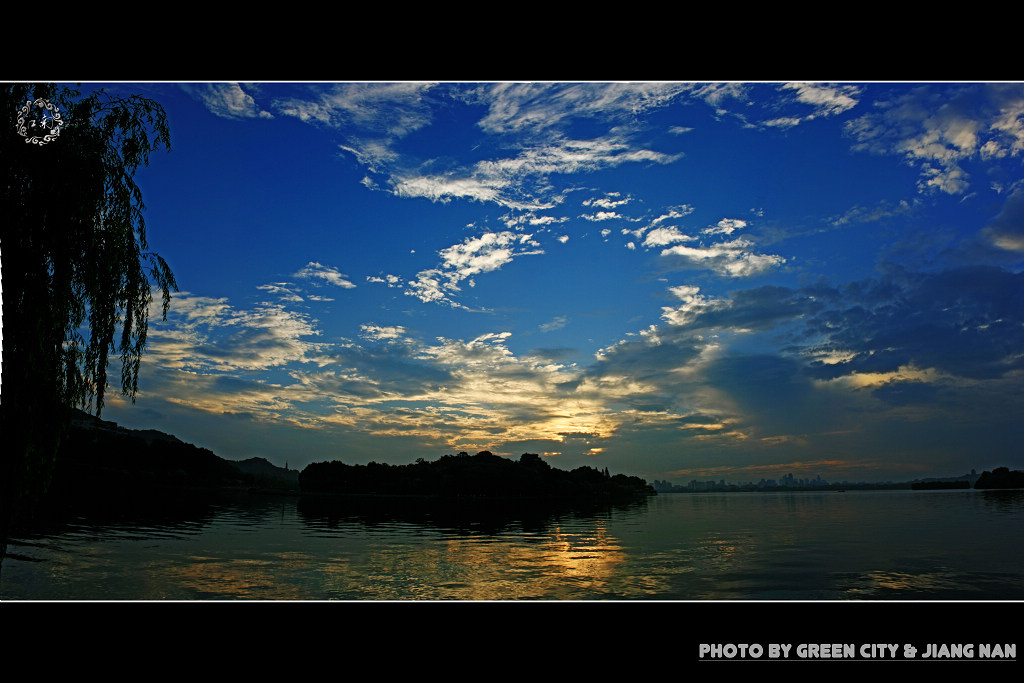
point(675, 280)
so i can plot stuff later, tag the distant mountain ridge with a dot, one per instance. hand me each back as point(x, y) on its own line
point(88, 430)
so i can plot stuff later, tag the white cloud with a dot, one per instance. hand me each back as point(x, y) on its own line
point(778, 105)
point(480, 254)
point(379, 332)
point(534, 107)
point(199, 309)
point(228, 100)
point(732, 259)
point(375, 154)
point(694, 304)
point(608, 202)
point(556, 324)
point(209, 335)
point(283, 290)
point(395, 109)
point(660, 237)
point(950, 179)
point(940, 131)
point(863, 214)
point(674, 212)
point(445, 188)
point(389, 280)
point(827, 99)
point(570, 156)
point(330, 275)
point(430, 285)
point(726, 226)
point(381, 115)
point(473, 256)
point(601, 216)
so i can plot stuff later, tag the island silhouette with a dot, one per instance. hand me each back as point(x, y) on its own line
point(102, 463)
point(101, 458)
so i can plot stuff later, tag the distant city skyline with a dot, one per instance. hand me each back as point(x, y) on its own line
point(672, 280)
point(787, 481)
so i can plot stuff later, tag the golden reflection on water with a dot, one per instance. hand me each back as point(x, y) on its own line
point(731, 546)
point(561, 564)
point(872, 584)
point(264, 578)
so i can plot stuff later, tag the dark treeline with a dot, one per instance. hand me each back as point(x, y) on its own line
point(101, 465)
point(463, 475)
point(1000, 478)
point(107, 473)
point(98, 462)
point(939, 485)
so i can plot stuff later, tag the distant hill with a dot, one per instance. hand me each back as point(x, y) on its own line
point(102, 459)
point(85, 421)
point(101, 456)
point(261, 467)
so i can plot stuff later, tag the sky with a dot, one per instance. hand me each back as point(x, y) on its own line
point(721, 280)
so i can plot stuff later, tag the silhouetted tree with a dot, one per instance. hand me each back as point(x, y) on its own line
point(1000, 478)
point(77, 270)
point(533, 462)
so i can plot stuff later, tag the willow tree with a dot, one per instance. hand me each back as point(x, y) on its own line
point(77, 272)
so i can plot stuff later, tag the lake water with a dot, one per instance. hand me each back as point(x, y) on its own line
point(855, 545)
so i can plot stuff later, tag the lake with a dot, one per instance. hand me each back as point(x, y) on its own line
point(822, 546)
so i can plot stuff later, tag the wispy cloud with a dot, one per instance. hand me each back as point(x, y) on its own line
point(227, 100)
point(733, 258)
point(520, 181)
point(660, 237)
point(380, 115)
point(285, 291)
point(318, 272)
point(602, 216)
point(211, 335)
point(385, 332)
point(392, 109)
point(726, 226)
point(783, 105)
point(538, 107)
point(473, 256)
point(693, 307)
point(821, 99)
point(389, 279)
point(556, 324)
point(611, 201)
point(673, 213)
point(938, 131)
